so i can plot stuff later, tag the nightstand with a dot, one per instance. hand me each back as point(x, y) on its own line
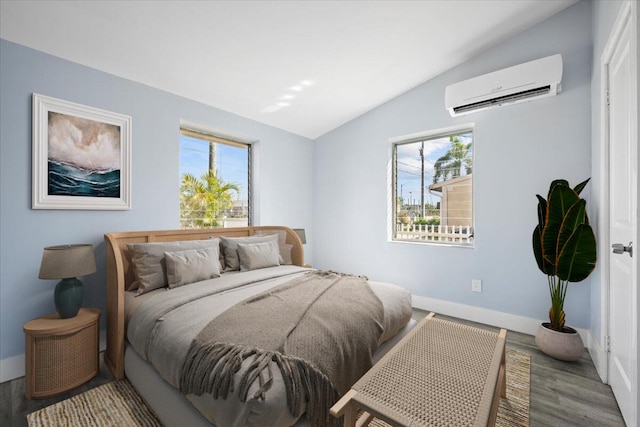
point(60, 353)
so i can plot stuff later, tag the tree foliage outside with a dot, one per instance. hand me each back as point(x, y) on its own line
point(454, 161)
point(403, 217)
point(203, 200)
point(433, 220)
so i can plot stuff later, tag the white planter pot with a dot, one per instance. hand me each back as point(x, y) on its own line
point(565, 346)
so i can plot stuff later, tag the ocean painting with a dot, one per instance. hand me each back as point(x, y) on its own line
point(83, 157)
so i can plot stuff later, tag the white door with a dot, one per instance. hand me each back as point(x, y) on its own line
point(623, 257)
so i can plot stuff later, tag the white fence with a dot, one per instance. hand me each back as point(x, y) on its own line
point(435, 233)
point(222, 223)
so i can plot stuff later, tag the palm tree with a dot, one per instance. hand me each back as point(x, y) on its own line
point(455, 159)
point(203, 199)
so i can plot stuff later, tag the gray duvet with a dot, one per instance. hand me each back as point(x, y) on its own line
point(163, 326)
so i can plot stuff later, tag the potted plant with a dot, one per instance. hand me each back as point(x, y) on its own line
point(565, 249)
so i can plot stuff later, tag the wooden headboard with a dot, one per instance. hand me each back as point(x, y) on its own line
point(120, 273)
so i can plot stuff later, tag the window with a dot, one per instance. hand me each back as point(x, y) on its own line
point(433, 188)
point(215, 184)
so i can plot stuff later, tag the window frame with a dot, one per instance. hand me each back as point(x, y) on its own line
point(393, 182)
point(213, 136)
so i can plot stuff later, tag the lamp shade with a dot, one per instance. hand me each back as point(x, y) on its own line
point(66, 261)
point(301, 234)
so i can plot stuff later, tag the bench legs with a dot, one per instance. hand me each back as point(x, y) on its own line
point(501, 384)
point(364, 419)
point(345, 407)
point(502, 376)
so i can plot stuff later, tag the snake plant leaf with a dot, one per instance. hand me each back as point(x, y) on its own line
point(545, 266)
point(578, 188)
point(556, 182)
point(577, 259)
point(556, 316)
point(574, 217)
point(561, 199)
point(542, 210)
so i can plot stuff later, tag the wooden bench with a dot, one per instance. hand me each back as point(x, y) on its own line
point(440, 373)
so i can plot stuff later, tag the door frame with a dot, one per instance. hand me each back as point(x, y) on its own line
point(628, 12)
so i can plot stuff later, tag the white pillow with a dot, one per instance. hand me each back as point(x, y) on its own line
point(258, 255)
point(191, 266)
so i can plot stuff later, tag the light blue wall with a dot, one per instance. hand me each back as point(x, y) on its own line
point(284, 177)
point(518, 149)
point(604, 16)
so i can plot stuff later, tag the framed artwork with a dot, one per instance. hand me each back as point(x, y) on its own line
point(81, 157)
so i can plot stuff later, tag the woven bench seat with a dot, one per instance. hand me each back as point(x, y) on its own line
point(441, 374)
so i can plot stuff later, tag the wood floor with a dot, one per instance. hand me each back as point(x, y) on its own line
point(562, 394)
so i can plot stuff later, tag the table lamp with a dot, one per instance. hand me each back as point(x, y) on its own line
point(66, 262)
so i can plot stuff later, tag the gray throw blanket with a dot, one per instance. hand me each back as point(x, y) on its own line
point(319, 330)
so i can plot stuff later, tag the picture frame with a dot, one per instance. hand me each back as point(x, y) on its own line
point(81, 156)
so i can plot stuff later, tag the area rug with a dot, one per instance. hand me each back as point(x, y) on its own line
point(110, 405)
point(118, 404)
point(514, 410)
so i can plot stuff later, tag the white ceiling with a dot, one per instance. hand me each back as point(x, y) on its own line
point(303, 66)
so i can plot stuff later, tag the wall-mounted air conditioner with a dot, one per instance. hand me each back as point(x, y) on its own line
point(523, 82)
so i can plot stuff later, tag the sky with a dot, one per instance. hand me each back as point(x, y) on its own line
point(231, 162)
point(409, 168)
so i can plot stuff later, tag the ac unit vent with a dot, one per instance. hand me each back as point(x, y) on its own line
point(496, 102)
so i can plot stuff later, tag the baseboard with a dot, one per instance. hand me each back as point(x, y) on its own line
point(512, 322)
point(103, 341)
point(13, 367)
point(599, 358)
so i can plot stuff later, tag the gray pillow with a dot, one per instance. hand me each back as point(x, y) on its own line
point(285, 248)
point(149, 264)
point(230, 248)
point(220, 255)
point(191, 266)
point(258, 255)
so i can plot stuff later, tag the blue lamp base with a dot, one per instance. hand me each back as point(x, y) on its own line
point(68, 297)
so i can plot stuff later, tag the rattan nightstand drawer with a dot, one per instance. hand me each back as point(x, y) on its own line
point(60, 353)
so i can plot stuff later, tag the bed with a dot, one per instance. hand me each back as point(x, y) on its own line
point(151, 336)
